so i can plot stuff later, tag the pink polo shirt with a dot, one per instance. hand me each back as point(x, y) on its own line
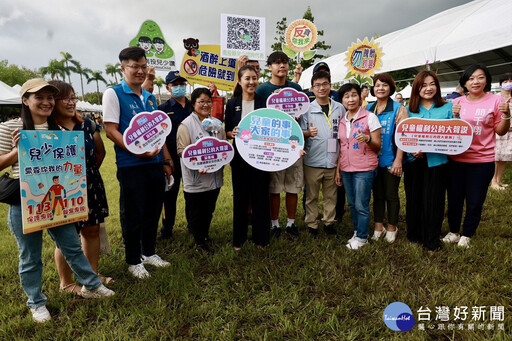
point(484, 116)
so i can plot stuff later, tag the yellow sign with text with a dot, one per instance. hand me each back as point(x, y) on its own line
point(205, 65)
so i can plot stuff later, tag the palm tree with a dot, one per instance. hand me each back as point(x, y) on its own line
point(55, 69)
point(159, 82)
point(96, 76)
point(66, 58)
point(77, 68)
point(113, 70)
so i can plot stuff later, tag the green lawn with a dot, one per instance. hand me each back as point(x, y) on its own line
point(310, 288)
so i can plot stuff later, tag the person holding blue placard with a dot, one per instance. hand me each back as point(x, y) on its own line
point(250, 185)
point(38, 101)
point(68, 118)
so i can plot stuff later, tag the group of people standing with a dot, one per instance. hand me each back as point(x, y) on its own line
point(349, 151)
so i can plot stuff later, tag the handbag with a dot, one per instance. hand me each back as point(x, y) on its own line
point(9, 190)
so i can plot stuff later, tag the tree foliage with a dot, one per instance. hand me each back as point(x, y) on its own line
point(12, 74)
point(319, 46)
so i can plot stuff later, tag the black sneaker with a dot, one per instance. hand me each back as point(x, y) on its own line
point(330, 229)
point(275, 232)
point(292, 230)
point(314, 232)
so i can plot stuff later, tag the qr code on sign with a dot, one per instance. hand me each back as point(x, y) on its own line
point(243, 34)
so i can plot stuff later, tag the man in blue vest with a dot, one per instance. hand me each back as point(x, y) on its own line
point(141, 176)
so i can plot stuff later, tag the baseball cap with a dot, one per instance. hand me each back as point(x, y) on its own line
point(173, 76)
point(36, 84)
point(320, 66)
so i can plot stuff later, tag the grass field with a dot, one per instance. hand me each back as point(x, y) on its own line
point(304, 289)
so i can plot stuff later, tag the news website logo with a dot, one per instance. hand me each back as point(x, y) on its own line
point(398, 316)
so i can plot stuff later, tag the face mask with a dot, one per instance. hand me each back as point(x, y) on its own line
point(507, 86)
point(179, 91)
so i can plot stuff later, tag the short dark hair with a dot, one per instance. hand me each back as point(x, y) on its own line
point(385, 78)
point(55, 177)
point(319, 75)
point(348, 87)
point(364, 87)
point(277, 57)
point(470, 70)
point(132, 52)
point(197, 93)
point(506, 77)
point(64, 90)
point(158, 40)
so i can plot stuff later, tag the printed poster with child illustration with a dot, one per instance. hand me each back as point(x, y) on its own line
point(158, 53)
point(269, 140)
point(52, 178)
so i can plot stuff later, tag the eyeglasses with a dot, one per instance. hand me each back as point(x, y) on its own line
point(138, 67)
point(325, 85)
point(67, 100)
point(204, 102)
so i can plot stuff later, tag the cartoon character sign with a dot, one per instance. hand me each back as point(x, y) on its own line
point(147, 131)
point(158, 53)
point(208, 153)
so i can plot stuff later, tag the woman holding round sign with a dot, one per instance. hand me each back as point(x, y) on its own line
point(472, 171)
point(67, 117)
point(359, 135)
point(385, 186)
point(200, 187)
point(426, 174)
point(250, 185)
point(38, 101)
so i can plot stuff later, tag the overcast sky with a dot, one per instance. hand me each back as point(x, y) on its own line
point(93, 32)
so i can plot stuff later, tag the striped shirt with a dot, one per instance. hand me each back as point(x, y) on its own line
point(6, 145)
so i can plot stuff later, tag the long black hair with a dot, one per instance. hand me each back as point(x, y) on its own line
point(28, 122)
point(238, 88)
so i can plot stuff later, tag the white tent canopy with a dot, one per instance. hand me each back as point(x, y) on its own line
point(479, 31)
point(8, 96)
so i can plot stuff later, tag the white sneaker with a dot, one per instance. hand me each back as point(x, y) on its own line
point(451, 238)
point(99, 292)
point(464, 242)
point(391, 236)
point(155, 260)
point(378, 234)
point(355, 244)
point(139, 271)
point(40, 314)
point(353, 236)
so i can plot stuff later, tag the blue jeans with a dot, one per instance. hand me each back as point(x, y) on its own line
point(30, 264)
point(358, 187)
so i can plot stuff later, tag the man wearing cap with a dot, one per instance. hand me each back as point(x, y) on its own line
point(178, 108)
point(141, 176)
point(322, 66)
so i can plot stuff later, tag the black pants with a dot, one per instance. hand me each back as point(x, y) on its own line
point(199, 211)
point(385, 193)
point(340, 204)
point(142, 196)
point(468, 182)
point(170, 200)
point(425, 192)
point(250, 185)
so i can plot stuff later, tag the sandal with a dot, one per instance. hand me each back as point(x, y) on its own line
point(72, 289)
point(106, 280)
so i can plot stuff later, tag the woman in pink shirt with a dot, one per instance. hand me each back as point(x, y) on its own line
point(472, 171)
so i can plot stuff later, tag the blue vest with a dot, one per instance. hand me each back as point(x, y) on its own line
point(130, 104)
point(387, 133)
